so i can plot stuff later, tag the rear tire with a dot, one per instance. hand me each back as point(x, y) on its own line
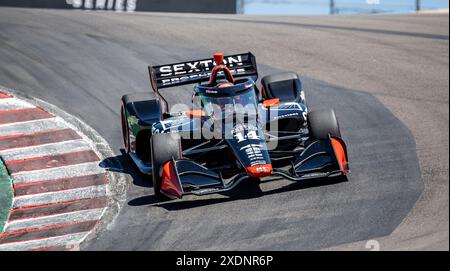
point(323, 123)
point(164, 147)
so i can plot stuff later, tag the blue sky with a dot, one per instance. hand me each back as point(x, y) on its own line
point(317, 7)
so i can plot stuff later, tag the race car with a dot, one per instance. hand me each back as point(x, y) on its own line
point(232, 130)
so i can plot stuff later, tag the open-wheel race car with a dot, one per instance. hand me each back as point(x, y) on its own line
point(232, 131)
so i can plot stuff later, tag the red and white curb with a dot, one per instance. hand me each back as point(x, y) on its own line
point(60, 190)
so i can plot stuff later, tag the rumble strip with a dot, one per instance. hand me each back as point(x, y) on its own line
point(60, 190)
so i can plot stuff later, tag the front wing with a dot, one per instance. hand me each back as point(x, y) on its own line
point(320, 159)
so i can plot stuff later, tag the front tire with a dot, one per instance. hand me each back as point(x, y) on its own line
point(164, 147)
point(125, 130)
point(323, 123)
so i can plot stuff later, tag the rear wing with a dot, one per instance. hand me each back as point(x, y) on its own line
point(197, 71)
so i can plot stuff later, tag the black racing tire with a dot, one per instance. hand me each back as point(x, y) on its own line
point(164, 147)
point(125, 130)
point(322, 123)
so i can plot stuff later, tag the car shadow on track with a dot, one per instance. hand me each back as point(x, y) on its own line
point(246, 190)
point(123, 164)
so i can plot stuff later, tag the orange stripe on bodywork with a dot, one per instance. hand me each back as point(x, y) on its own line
point(341, 155)
point(271, 102)
point(259, 171)
point(196, 113)
point(170, 181)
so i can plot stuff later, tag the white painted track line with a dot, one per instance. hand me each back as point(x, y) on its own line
point(44, 150)
point(34, 126)
point(59, 219)
point(58, 173)
point(64, 240)
point(13, 103)
point(61, 196)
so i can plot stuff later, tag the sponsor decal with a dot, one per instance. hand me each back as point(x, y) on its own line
point(286, 115)
point(244, 126)
point(133, 121)
point(247, 131)
point(177, 73)
point(113, 5)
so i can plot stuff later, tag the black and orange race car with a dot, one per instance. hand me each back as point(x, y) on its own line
point(232, 131)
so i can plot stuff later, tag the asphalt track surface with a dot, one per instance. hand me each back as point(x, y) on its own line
point(387, 77)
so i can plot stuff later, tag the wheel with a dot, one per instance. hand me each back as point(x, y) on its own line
point(164, 147)
point(125, 130)
point(322, 123)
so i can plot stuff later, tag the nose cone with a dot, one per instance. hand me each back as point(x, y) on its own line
point(249, 146)
point(259, 171)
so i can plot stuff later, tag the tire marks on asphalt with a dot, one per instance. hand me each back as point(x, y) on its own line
point(26, 114)
point(31, 127)
point(59, 184)
point(60, 196)
point(57, 173)
point(45, 149)
point(53, 220)
point(51, 161)
point(13, 103)
point(37, 139)
point(60, 207)
point(61, 242)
